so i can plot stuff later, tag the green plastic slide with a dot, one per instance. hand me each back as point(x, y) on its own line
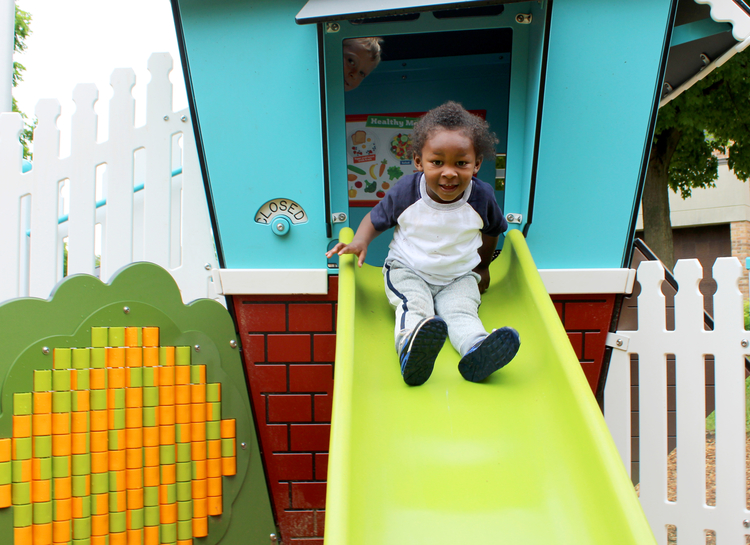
point(523, 458)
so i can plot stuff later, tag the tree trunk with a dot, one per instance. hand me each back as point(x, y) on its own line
point(657, 225)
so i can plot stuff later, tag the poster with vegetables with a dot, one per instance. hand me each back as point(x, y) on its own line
point(377, 155)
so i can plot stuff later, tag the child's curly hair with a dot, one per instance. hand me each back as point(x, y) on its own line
point(454, 117)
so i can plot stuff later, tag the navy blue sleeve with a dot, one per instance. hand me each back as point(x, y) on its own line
point(401, 196)
point(482, 199)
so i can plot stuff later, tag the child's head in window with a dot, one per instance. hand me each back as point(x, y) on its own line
point(361, 56)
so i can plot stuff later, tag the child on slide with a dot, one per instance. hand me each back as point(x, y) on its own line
point(447, 228)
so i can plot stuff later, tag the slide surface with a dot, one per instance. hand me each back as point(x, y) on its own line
point(523, 458)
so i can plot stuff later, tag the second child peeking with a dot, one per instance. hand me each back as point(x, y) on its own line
point(447, 228)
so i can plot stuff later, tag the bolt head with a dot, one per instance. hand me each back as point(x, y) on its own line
point(45, 350)
point(619, 342)
point(233, 343)
point(243, 446)
point(744, 343)
point(197, 348)
point(207, 266)
point(183, 119)
point(166, 118)
point(746, 523)
point(126, 310)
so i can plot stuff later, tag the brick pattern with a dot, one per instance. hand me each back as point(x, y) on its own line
point(288, 345)
point(740, 236)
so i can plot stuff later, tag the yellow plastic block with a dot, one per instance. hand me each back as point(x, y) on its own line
point(150, 336)
point(5, 495)
point(100, 462)
point(198, 393)
point(168, 513)
point(42, 402)
point(79, 422)
point(200, 488)
point(151, 436)
point(115, 357)
point(166, 376)
point(41, 491)
point(214, 506)
point(214, 448)
point(60, 423)
point(166, 435)
point(61, 445)
point(42, 534)
point(22, 425)
point(131, 336)
point(182, 375)
point(98, 379)
point(134, 479)
point(133, 417)
point(116, 378)
point(98, 440)
point(151, 476)
point(100, 524)
point(61, 487)
point(200, 527)
point(5, 450)
point(117, 460)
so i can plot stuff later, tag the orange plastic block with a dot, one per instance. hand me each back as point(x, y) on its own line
point(133, 357)
point(133, 417)
point(98, 441)
point(134, 478)
point(198, 412)
point(115, 357)
point(198, 450)
point(117, 439)
point(168, 513)
point(118, 501)
point(99, 526)
point(77, 507)
point(182, 413)
point(36, 469)
point(135, 498)
point(5, 495)
point(42, 402)
point(200, 489)
point(166, 393)
point(168, 474)
point(41, 491)
point(27, 470)
point(213, 469)
point(166, 353)
point(214, 505)
point(151, 436)
point(151, 456)
point(228, 428)
point(99, 462)
point(116, 378)
point(150, 336)
point(61, 445)
point(60, 423)
point(42, 534)
point(62, 488)
point(22, 535)
point(200, 508)
point(166, 414)
point(150, 535)
point(182, 374)
point(182, 391)
point(73, 379)
point(100, 503)
point(5, 450)
point(82, 400)
point(133, 397)
point(214, 487)
point(201, 374)
point(198, 393)
point(119, 538)
point(79, 422)
point(41, 424)
point(166, 376)
point(214, 448)
point(131, 336)
point(200, 527)
point(134, 458)
point(150, 356)
point(198, 431)
point(134, 437)
point(60, 531)
point(79, 443)
point(22, 425)
point(134, 537)
point(167, 435)
point(63, 509)
point(184, 542)
point(97, 379)
point(117, 460)
point(98, 420)
point(151, 476)
point(183, 433)
point(99, 540)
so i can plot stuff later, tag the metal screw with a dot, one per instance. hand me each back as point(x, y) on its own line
point(243, 445)
point(744, 343)
point(519, 18)
point(705, 60)
point(618, 342)
point(183, 119)
point(233, 343)
point(746, 523)
point(333, 27)
point(126, 310)
point(197, 348)
point(279, 226)
point(166, 118)
point(403, 77)
point(274, 539)
point(207, 266)
point(45, 350)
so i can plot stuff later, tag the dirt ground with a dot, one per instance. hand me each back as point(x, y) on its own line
point(710, 484)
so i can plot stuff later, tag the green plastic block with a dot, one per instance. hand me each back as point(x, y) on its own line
point(79, 485)
point(167, 454)
point(163, 355)
point(81, 464)
point(117, 419)
point(16, 471)
point(6, 473)
point(171, 492)
point(81, 396)
point(148, 377)
point(116, 400)
point(150, 394)
point(136, 519)
point(98, 400)
point(42, 380)
point(45, 468)
point(85, 541)
point(20, 493)
point(168, 533)
point(227, 447)
point(114, 440)
point(85, 507)
point(23, 448)
point(82, 528)
point(184, 471)
point(61, 379)
point(195, 374)
point(136, 377)
point(184, 490)
point(149, 417)
point(42, 446)
point(113, 497)
point(81, 358)
point(184, 452)
point(61, 402)
point(99, 336)
point(184, 510)
point(61, 358)
point(151, 516)
point(213, 411)
point(151, 496)
point(82, 380)
point(117, 522)
point(22, 404)
point(100, 483)
point(213, 429)
point(184, 529)
point(23, 515)
point(182, 355)
point(98, 358)
point(42, 512)
point(213, 392)
point(116, 337)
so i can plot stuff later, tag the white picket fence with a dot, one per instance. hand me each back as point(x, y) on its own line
point(689, 343)
point(138, 194)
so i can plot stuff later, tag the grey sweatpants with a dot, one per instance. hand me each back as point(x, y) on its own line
point(414, 299)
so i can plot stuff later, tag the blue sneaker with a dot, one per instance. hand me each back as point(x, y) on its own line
point(490, 354)
point(421, 349)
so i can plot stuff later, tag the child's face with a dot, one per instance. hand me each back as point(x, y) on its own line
point(448, 160)
point(358, 63)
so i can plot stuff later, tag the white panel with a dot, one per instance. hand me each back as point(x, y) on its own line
point(270, 281)
point(572, 281)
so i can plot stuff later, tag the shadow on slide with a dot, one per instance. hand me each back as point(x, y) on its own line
point(523, 458)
